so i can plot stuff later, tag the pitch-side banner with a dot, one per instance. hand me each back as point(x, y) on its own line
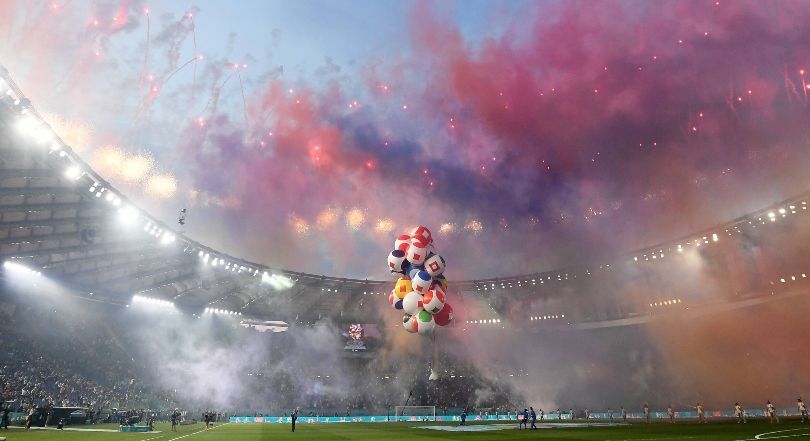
point(367, 419)
point(471, 418)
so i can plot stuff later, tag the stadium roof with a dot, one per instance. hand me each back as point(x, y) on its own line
point(57, 214)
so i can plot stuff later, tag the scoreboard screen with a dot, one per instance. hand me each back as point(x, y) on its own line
point(360, 336)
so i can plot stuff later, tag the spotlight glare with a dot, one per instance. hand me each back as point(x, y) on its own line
point(127, 215)
point(73, 172)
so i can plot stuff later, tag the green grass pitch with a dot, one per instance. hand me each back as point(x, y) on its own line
point(719, 431)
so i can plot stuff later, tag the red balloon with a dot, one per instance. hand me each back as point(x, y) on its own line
point(445, 316)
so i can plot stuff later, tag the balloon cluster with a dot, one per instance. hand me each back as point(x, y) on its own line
point(421, 289)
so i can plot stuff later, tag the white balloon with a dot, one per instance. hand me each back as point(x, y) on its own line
point(412, 303)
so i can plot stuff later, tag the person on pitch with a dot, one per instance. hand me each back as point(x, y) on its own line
point(294, 418)
point(700, 413)
point(802, 409)
point(770, 410)
point(624, 414)
point(525, 420)
point(739, 413)
point(671, 414)
point(646, 409)
point(534, 418)
point(6, 410)
point(463, 418)
point(175, 419)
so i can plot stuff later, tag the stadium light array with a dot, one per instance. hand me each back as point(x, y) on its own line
point(152, 301)
point(277, 281)
point(547, 317)
point(665, 303)
point(483, 321)
point(218, 311)
point(14, 266)
point(792, 278)
point(167, 238)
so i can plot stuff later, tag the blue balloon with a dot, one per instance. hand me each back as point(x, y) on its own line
point(406, 267)
point(414, 271)
point(398, 304)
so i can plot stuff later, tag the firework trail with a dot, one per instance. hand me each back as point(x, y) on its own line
point(194, 41)
point(244, 102)
point(213, 102)
point(146, 52)
point(155, 90)
point(174, 72)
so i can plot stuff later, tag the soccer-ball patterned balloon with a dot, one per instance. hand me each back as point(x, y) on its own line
point(425, 323)
point(433, 301)
point(395, 261)
point(403, 287)
point(412, 303)
point(402, 243)
point(414, 271)
point(421, 282)
point(410, 323)
point(422, 235)
point(422, 290)
point(417, 253)
point(441, 282)
point(434, 264)
point(445, 316)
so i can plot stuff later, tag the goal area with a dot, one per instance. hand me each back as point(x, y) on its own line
point(415, 413)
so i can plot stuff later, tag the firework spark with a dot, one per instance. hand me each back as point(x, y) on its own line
point(162, 186)
point(298, 224)
point(385, 225)
point(475, 226)
point(355, 218)
point(447, 228)
point(327, 218)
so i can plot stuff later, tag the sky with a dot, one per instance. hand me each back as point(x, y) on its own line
point(526, 135)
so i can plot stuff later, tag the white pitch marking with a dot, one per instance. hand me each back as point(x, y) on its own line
point(652, 439)
point(763, 436)
point(199, 431)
